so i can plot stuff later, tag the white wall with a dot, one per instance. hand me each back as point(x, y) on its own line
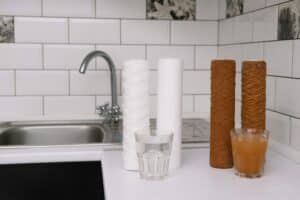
point(38, 72)
point(253, 35)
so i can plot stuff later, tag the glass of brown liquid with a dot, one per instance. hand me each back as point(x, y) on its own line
point(249, 148)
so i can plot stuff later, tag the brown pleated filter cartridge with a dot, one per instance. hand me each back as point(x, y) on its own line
point(222, 112)
point(254, 94)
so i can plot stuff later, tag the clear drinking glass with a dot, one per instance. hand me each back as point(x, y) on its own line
point(153, 153)
point(249, 148)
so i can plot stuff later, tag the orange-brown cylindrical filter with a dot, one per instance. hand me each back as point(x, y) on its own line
point(254, 94)
point(222, 112)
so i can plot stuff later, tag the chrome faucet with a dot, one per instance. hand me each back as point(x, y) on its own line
point(110, 113)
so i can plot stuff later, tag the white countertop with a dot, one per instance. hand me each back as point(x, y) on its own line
point(196, 181)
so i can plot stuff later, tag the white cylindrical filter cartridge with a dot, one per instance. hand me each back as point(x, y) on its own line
point(169, 105)
point(136, 108)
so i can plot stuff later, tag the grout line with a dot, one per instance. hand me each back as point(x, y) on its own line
point(292, 67)
point(95, 8)
point(43, 56)
point(15, 82)
point(170, 32)
point(42, 8)
point(69, 83)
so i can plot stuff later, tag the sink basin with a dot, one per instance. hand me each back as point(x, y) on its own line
point(52, 133)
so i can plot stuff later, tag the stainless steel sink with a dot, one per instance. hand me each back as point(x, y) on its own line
point(41, 133)
point(48, 133)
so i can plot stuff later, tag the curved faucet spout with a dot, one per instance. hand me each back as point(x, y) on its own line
point(112, 68)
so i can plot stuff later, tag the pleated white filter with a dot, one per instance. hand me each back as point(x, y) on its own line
point(136, 108)
point(169, 105)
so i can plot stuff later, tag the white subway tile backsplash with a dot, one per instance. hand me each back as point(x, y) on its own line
point(21, 106)
point(271, 91)
point(186, 53)
point(238, 107)
point(187, 104)
point(202, 104)
point(120, 54)
point(91, 83)
point(7, 82)
point(196, 82)
point(295, 133)
point(252, 51)
point(145, 32)
point(69, 8)
point(265, 24)
point(194, 32)
point(226, 31)
point(204, 56)
point(20, 56)
point(250, 5)
point(101, 100)
point(207, 9)
point(238, 86)
point(153, 82)
point(296, 59)
point(287, 96)
point(44, 30)
point(92, 31)
point(233, 52)
point(66, 105)
point(66, 56)
point(20, 7)
point(42, 83)
point(121, 8)
point(243, 28)
point(279, 63)
point(279, 127)
point(222, 9)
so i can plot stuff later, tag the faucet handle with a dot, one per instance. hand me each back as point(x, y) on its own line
point(103, 108)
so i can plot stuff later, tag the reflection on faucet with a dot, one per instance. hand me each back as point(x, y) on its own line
point(113, 113)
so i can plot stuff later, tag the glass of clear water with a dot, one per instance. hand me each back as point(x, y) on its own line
point(153, 153)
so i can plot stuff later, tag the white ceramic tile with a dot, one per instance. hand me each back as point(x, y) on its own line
point(202, 103)
point(186, 53)
point(121, 8)
point(243, 28)
point(48, 30)
point(92, 83)
point(21, 106)
point(265, 24)
point(295, 133)
point(95, 31)
point(232, 52)
point(278, 56)
point(120, 54)
point(194, 32)
point(287, 96)
point(66, 105)
point(279, 127)
point(273, 2)
point(7, 83)
point(238, 86)
point(66, 56)
point(153, 106)
point(153, 82)
point(187, 104)
point(145, 32)
point(222, 9)
point(42, 83)
point(296, 59)
point(20, 7)
point(271, 91)
point(252, 51)
point(207, 9)
point(250, 5)
point(69, 8)
point(20, 56)
point(238, 108)
point(204, 56)
point(196, 82)
point(226, 31)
